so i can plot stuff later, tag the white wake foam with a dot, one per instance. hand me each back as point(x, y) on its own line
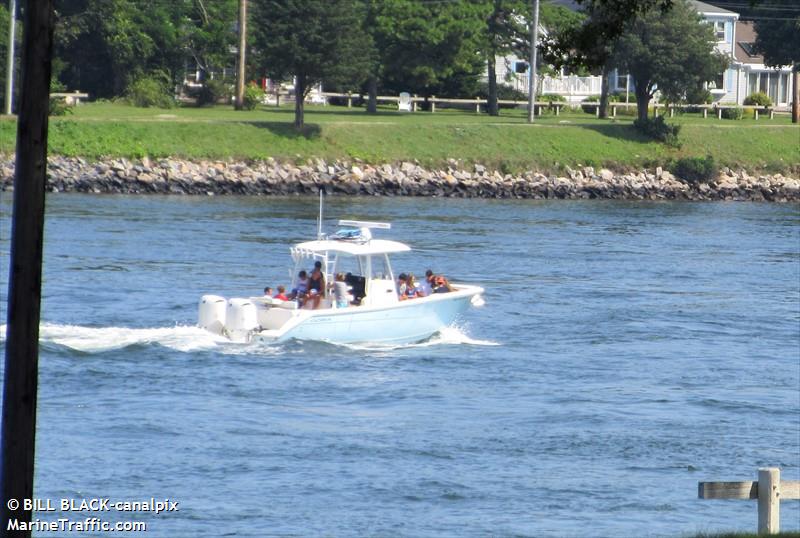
point(452, 335)
point(98, 339)
point(186, 338)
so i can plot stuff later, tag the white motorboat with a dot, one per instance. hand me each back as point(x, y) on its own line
point(372, 313)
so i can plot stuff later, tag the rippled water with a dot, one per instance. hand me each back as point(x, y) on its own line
point(626, 352)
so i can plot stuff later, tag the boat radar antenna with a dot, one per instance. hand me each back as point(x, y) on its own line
point(364, 226)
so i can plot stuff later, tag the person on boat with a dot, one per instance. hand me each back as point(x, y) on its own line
point(423, 288)
point(427, 286)
point(281, 294)
point(441, 285)
point(301, 288)
point(341, 291)
point(411, 287)
point(316, 286)
point(267, 292)
point(402, 286)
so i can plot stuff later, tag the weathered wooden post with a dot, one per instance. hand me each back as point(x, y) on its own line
point(477, 105)
point(769, 490)
point(769, 501)
point(349, 100)
point(433, 103)
point(20, 384)
point(414, 103)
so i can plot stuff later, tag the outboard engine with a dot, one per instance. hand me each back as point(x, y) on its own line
point(240, 320)
point(211, 313)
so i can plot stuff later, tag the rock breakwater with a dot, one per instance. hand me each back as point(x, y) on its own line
point(271, 177)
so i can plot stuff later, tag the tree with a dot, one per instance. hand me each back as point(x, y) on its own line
point(669, 51)
point(778, 40)
point(312, 41)
point(502, 30)
point(425, 46)
point(101, 46)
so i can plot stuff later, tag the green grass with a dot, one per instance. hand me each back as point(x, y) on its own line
point(506, 142)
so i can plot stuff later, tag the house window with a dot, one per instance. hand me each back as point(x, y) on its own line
point(521, 67)
point(762, 83)
point(719, 30)
point(622, 82)
point(773, 88)
point(718, 83)
point(784, 88)
point(752, 83)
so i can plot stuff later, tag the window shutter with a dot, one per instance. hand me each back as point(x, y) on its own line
point(728, 32)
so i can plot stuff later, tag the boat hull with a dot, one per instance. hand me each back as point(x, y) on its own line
point(409, 321)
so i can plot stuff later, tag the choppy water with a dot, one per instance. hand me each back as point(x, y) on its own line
point(626, 352)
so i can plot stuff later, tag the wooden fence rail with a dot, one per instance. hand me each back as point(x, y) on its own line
point(769, 489)
point(557, 106)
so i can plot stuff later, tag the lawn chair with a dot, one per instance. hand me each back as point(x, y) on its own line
point(404, 103)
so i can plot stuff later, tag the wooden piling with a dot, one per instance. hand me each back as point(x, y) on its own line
point(25, 269)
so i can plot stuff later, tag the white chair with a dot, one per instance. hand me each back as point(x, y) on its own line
point(404, 103)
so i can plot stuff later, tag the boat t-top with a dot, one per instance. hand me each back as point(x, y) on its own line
point(373, 311)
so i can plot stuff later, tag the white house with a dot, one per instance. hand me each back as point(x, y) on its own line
point(745, 74)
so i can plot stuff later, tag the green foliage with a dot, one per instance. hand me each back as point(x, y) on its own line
point(671, 51)
point(421, 44)
point(212, 92)
point(311, 40)
point(149, 91)
point(732, 113)
point(658, 129)
point(590, 109)
point(698, 96)
point(103, 45)
point(504, 93)
point(552, 98)
point(253, 95)
point(758, 99)
point(695, 169)
point(778, 30)
point(59, 107)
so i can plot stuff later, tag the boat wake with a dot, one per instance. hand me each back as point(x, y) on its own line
point(100, 339)
point(452, 335)
point(184, 338)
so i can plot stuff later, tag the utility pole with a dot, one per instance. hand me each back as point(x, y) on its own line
point(12, 24)
point(242, 47)
point(25, 272)
point(532, 70)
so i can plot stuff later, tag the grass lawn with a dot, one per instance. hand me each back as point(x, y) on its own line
point(506, 142)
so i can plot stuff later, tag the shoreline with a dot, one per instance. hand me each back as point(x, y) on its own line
point(275, 178)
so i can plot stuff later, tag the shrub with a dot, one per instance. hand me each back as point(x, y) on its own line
point(504, 93)
point(253, 95)
point(758, 99)
point(211, 93)
point(698, 96)
point(356, 100)
point(695, 170)
point(612, 98)
point(59, 107)
point(733, 113)
point(149, 90)
point(658, 129)
point(551, 98)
